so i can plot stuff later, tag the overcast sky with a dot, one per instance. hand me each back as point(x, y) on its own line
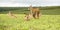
point(17, 3)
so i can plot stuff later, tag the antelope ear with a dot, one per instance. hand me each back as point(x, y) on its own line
point(30, 5)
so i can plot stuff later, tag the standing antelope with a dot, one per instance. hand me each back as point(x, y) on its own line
point(34, 12)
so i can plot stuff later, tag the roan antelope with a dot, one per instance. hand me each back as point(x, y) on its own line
point(34, 12)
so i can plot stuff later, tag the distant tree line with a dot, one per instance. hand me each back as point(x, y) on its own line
point(50, 7)
point(26, 8)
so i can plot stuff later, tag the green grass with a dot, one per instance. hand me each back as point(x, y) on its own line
point(49, 20)
point(45, 22)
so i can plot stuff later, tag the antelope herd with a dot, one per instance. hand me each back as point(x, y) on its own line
point(34, 12)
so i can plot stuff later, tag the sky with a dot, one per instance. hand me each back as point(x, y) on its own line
point(25, 3)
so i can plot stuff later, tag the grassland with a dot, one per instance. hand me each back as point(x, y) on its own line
point(49, 20)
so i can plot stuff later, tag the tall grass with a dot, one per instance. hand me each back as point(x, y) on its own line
point(45, 22)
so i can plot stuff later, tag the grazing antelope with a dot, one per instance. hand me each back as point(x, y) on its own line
point(27, 17)
point(10, 14)
point(34, 12)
